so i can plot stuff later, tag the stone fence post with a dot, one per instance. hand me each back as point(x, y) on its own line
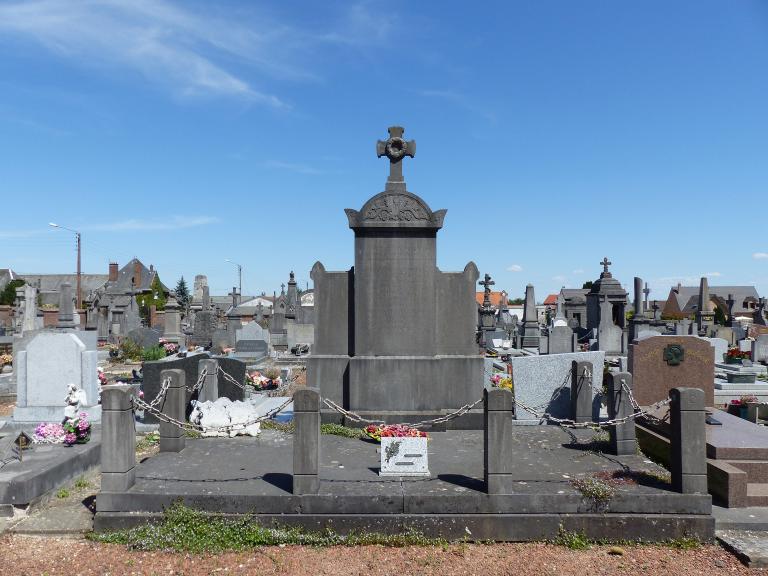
point(118, 438)
point(210, 388)
point(175, 406)
point(622, 436)
point(497, 437)
point(581, 391)
point(689, 440)
point(306, 441)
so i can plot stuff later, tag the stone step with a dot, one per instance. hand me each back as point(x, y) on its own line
point(757, 470)
point(757, 494)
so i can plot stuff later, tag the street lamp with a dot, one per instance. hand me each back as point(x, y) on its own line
point(77, 235)
point(239, 274)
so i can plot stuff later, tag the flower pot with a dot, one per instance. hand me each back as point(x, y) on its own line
point(733, 360)
point(744, 411)
point(737, 378)
point(404, 456)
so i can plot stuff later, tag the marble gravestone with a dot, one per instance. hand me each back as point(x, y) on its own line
point(661, 363)
point(50, 362)
point(543, 383)
point(394, 335)
point(205, 325)
point(760, 349)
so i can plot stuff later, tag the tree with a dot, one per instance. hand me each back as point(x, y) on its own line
point(157, 298)
point(8, 295)
point(516, 301)
point(182, 293)
point(587, 284)
point(719, 316)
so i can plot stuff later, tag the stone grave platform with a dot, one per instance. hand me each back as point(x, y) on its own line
point(44, 468)
point(252, 476)
point(737, 458)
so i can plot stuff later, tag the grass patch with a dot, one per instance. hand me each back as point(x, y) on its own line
point(333, 429)
point(62, 493)
point(339, 430)
point(684, 543)
point(186, 530)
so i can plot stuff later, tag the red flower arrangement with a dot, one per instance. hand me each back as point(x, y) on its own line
point(393, 431)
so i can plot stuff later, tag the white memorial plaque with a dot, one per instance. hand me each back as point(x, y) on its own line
point(406, 456)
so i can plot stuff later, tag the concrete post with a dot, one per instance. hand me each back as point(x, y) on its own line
point(118, 438)
point(581, 391)
point(622, 436)
point(498, 430)
point(174, 405)
point(689, 441)
point(306, 441)
point(210, 389)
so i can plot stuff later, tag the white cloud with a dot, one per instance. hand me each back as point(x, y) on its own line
point(578, 271)
point(760, 255)
point(515, 268)
point(713, 274)
point(172, 223)
point(559, 278)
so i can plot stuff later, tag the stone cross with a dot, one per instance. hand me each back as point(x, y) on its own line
point(282, 288)
point(487, 283)
point(605, 263)
point(395, 148)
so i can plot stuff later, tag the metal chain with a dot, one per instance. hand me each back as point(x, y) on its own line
point(359, 419)
point(200, 380)
point(234, 381)
point(161, 395)
point(568, 423)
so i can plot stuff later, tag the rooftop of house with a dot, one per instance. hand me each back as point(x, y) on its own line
point(495, 298)
point(687, 297)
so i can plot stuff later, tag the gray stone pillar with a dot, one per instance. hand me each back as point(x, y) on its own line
point(306, 441)
point(581, 391)
point(66, 307)
point(174, 405)
point(498, 430)
point(622, 436)
point(689, 441)
point(118, 438)
point(210, 389)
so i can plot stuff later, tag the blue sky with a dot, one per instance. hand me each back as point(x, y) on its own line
point(555, 133)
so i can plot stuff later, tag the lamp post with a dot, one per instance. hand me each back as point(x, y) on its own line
point(239, 275)
point(77, 236)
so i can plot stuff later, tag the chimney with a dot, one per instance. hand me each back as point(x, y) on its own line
point(113, 271)
point(137, 274)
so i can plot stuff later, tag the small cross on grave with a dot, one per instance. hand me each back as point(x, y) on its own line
point(605, 263)
point(282, 288)
point(395, 148)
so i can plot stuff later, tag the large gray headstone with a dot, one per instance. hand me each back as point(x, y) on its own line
point(144, 337)
point(205, 325)
point(543, 382)
point(252, 331)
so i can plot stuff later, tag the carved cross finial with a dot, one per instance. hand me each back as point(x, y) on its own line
point(605, 263)
point(487, 283)
point(282, 288)
point(395, 148)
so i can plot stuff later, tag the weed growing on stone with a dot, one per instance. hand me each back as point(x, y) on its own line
point(62, 493)
point(148, 441)
point(597, 490)
point(186, 530)
point(82, 484)
point(572, 540)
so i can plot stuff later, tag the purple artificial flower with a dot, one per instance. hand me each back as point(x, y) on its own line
point(70, 438)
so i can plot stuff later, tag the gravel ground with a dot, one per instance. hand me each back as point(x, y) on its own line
point(30, 555)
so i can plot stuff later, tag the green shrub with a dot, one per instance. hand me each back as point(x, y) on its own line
point(154, 353)
point(129, 350)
